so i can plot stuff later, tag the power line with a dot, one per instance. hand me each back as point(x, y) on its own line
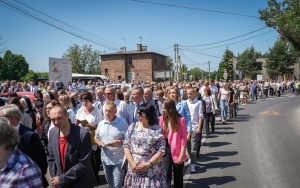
point(226, 39)
point(66, 24)
point(232, 42)
point(201, 53)
point(33, 16)
point(198, 9)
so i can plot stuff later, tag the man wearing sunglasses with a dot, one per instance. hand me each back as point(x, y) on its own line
point(122, 107)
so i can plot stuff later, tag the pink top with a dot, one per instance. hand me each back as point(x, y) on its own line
point(176, 139)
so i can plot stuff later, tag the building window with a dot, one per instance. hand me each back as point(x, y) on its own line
point(130, 60)
point(119, 77)
point(106, 71)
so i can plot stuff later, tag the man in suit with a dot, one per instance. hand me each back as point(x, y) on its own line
point(69, 152)
point(30, 142)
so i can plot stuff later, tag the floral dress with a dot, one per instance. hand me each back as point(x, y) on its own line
point(143, 144)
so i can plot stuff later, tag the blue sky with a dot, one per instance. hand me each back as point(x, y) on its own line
point(109, 21)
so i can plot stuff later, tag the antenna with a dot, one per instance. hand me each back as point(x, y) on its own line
point(141, 38)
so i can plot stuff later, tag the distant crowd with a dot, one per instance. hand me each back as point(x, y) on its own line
point(156, 126)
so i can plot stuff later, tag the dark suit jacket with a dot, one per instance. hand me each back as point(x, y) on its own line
point(31, 145)
point(79, 171)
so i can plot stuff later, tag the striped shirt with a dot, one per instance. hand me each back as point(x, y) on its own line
point(20, 172)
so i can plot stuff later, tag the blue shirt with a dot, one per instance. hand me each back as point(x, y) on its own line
point(183, 110)
point(108, 132)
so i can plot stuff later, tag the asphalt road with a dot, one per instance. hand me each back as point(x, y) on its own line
point(259, 148)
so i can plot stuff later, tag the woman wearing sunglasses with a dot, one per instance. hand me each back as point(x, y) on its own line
point(144, 147)
point(175, 131)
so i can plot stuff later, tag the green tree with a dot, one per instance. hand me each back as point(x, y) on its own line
point(30, 76)
point(284, 16)
point(183, 72)
point(13, 66)
point(247, 62)
point(42, 74)
point(280, 59)
point(84, 59)
point(196, 73)
point(169, 63)
point(226, 63)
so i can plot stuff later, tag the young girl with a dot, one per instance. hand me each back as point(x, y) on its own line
point(175, 131)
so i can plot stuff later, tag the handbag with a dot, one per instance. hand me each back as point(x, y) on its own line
point(125, 161)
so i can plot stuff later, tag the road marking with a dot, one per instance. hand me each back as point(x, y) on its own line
point(270, 112)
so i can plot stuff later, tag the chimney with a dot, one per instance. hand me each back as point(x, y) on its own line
point(123, 49)
point(139, 47)
point(144, 48)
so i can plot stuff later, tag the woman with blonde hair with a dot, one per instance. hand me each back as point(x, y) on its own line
point(65, 101)
point(224, 99)
point(175, 131)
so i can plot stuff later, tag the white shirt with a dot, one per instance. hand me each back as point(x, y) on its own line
point(196, 112)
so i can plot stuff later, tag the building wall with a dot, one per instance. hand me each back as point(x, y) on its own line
point(141, 66)
point(115, 64)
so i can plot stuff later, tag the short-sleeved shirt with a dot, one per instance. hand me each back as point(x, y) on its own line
point(108, 132)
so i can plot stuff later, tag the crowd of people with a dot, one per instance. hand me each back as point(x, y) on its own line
point(156, 127)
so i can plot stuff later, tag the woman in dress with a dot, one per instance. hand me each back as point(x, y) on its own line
point(175, 131)
point(89, 117)
point(224, 97)
point(144, 147)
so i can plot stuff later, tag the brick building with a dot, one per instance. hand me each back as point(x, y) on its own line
point(134, 65)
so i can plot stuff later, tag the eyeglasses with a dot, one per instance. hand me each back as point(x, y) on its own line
point(107, 93)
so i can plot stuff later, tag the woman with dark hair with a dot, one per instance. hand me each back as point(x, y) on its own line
point(210, 105)
point(175, 131)
point(144, 147)
point(38, 94)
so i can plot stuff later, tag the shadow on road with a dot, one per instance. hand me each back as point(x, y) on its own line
point(207, 182)
point(215, 144)
point(215, 155)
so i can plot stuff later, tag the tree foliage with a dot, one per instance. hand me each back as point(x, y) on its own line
point(284, 16)
point(84, 59)
point(248, 64)
point(280, 59)
point(13, 66)
point(226, 63)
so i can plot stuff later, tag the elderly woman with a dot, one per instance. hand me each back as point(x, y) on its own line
point(17, 169)
point(144, 147)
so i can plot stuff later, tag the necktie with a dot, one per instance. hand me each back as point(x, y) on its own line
point(136, 112)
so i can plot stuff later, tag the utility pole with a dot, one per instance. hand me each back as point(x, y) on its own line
point(175, 62)
point(208, 70)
